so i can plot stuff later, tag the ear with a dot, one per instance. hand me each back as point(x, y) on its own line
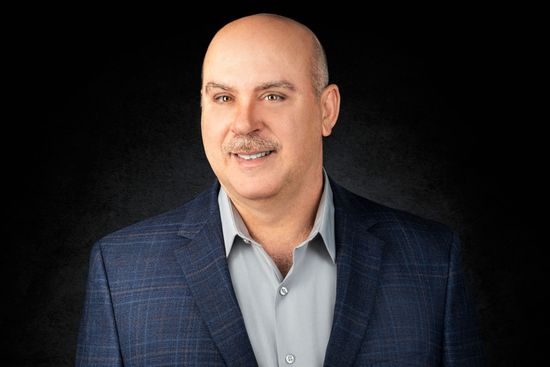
point(330, 108)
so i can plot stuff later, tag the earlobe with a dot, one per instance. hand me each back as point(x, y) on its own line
point(330, 103)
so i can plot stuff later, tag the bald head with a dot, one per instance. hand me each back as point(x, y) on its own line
point(254, 34)
point(265, 107)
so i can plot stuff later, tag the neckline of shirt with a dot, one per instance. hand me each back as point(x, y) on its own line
point(233, 225)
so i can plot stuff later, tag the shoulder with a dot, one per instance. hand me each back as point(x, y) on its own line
point(161, 231)
point(402, 232)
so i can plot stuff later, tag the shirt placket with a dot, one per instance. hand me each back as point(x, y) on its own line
point(285, 301)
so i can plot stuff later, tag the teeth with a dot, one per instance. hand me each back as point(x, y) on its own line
point(253, 156)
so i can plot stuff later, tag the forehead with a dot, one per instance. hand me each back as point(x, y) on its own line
point(258, 52)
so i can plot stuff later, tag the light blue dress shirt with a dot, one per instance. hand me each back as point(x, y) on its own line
point(288, 320)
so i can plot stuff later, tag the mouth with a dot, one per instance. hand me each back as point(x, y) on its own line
point(250, 157)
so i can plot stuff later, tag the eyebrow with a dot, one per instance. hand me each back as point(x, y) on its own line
point(276, 84)
point(264, 86)
point(211, 85)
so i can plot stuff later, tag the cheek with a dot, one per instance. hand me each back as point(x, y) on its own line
point(212, 131)
point(303, 130)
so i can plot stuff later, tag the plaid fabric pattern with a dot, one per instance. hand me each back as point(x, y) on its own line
point(159, 293)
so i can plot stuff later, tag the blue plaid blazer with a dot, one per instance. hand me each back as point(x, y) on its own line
point(159, 293)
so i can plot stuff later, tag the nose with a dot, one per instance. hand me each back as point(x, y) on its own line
point(246, 119)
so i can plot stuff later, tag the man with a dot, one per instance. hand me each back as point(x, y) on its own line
point(276, 264)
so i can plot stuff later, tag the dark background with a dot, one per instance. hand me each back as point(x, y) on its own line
point(106, 133)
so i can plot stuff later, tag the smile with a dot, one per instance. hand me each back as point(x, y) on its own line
point(254, 156)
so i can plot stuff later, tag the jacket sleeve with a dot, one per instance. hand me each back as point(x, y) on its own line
point(462, 343)
point(98, 343)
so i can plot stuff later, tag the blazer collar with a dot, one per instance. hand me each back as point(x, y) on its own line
point(203, 262)
point(358, 258)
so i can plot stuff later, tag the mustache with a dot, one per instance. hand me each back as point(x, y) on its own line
point(249, 143)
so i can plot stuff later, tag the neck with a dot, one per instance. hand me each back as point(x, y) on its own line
point(282, 223)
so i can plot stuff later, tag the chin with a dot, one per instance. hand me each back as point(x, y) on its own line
point(254, 189)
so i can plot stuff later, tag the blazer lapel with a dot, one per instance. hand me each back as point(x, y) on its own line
point(358, 257)
point(205, 267)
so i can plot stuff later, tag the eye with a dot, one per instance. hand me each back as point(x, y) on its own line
point(223, 98)
point(274, 97)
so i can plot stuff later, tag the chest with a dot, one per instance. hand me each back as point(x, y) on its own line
point(288, 318)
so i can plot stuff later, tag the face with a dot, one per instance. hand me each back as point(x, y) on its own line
point(261, 121)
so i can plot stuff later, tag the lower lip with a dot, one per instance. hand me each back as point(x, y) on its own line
point(252, 162)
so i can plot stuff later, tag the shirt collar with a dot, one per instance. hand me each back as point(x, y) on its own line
point(233, 225)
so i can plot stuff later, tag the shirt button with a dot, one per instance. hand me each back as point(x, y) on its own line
point(246, 240)
point(290, 358)
point(283, 291)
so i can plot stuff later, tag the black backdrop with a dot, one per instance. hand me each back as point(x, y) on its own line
point(107, 133)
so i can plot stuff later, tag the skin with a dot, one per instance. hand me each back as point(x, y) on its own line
point(257, 95)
